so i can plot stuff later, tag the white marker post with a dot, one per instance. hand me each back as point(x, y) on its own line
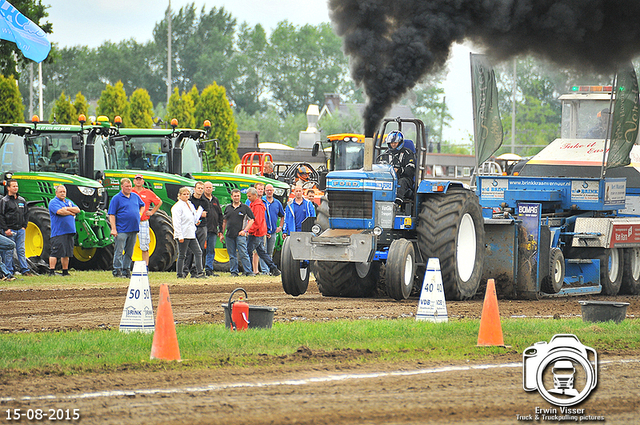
point(432, 306)
point(137, 315)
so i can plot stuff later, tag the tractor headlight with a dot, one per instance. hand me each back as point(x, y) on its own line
point(88, 191)
point(279, 191)
point(377, 230)
point(101, 192)
point(316, 229)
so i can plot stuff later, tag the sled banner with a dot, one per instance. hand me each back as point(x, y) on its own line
point(487, 124)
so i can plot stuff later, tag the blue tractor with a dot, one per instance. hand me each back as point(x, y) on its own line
point(361, 238)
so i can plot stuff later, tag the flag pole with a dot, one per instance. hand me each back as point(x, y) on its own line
point(608, 132)
point(40, 101)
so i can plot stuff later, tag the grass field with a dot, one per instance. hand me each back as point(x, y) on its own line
point(215, 346)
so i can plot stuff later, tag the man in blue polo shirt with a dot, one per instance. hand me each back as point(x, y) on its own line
point(296, 212)
point(62, 213)
point(125, 210)
point(274, 211)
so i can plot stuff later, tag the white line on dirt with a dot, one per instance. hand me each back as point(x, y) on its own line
point(304, 381)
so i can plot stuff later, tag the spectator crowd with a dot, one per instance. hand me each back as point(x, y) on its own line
point(249, 229)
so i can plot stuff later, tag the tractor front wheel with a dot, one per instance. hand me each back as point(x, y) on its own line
point(401, 268)
point(38, 235)
point(295, 273)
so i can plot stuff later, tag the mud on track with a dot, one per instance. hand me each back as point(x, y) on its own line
point(72, 307)
point(222, 395)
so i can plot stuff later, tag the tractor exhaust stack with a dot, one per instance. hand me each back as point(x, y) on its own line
point(368, 153)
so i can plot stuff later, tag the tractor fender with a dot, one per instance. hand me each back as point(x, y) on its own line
point(440, 186)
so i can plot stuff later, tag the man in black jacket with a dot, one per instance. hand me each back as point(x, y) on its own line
point(198, 200)
point(13, 224)
point(403, 161)
point(214, 227)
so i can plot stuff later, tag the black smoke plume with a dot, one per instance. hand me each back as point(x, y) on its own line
point(393, 43)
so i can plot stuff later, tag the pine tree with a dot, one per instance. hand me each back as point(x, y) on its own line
point(63, 111)
point(181, 108)
point(11, 106)
point(214, 106)
point(81, 105)
point(113, 102)
point(141, 109)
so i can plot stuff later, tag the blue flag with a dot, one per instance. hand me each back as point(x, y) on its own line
point(16, 27)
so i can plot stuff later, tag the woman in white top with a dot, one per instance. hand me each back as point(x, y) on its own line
point(184, 217)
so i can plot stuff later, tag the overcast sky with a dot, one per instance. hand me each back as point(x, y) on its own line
point(91, 23)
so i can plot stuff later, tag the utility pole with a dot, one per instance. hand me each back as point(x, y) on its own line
point(444, 104)
point(168, 52)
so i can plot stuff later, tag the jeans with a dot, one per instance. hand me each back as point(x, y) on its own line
point(238, 244)
point(6, 245)
point(201, 237)
point(17, 237)
point(193, 247)
point(125, 241)
point(211, 250)
point(271, 244)
point(257, 243)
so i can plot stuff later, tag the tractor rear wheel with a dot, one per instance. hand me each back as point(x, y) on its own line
point(352, 280)
point(163, 249)
point(631, 273)
point(451, 228)
point(38, 235)
point(611, 265)
point(221, 261)
point(295, 273)
point(401, 268)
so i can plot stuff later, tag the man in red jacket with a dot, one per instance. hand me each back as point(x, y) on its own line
point(258, 229)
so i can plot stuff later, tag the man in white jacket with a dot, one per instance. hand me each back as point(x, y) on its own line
point(185, 216)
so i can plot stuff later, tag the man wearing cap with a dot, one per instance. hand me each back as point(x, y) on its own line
point(125, 210)
point(148, 197)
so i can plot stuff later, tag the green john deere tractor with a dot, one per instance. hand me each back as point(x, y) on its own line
point(41, 157)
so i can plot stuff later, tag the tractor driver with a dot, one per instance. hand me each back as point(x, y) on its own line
point(403, 161)
point(599, 130)
point(302, 174)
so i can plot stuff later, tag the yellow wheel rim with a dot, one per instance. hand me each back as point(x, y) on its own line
point(82, 254)
point(137, 253)
point(222, 256)
point(34, 241)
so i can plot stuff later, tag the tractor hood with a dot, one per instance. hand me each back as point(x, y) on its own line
point(112, 177)
point(55, 179)
point(379, 173)
point(579, 158)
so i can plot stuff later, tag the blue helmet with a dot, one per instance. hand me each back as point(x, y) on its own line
point(395, 136)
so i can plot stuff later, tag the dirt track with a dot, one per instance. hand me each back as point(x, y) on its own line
point(493, 395)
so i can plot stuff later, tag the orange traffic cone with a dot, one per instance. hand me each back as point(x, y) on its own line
point(490, 329)
point(165, 340)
